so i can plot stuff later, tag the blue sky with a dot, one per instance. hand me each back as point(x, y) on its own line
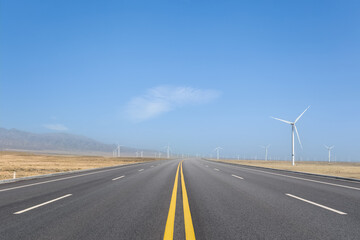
point(194, 74)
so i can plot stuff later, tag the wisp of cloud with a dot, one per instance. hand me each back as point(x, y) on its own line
point(56, 127)
point(163, 99)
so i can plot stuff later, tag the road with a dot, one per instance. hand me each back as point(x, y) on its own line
point(175, 199)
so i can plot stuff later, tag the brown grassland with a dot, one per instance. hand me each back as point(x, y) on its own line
point(339, 169)
point(29, 164)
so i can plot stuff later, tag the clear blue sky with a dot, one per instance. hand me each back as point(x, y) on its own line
point(194, 74)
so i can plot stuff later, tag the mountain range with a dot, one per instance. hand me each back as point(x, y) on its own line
point(61, 143)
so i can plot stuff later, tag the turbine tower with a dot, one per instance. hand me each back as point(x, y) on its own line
point(217, 152)
point(167, 151)
point(266, 151)
point(293, 127)
point(118, 150)
point(329, 149)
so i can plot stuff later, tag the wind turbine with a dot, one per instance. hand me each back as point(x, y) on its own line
point(329, 149)
point(266, 151)
point(217, 152)
point(293, 126)
point(167, 151)
point(118, 150)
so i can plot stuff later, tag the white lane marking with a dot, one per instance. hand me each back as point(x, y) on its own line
point(206, 166)
point(60, 179)
point(141, 170)
point(152, 166)
point(237, 176)
point(316, 204)
point(299, 178)
point(42, 204)
point(117, 178)
point(216, 169)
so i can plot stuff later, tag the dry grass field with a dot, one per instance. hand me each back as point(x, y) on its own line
point(29, 164)
point(339, 169)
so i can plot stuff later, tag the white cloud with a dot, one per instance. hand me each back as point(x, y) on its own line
point(56, 127)
point(163, 99)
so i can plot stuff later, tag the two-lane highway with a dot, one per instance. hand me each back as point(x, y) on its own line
point(178, 199)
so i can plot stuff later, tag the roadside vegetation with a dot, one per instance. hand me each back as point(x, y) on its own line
point(339, 169)
point(29, 164)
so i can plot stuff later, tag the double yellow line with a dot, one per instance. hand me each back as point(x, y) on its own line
point(189, 228)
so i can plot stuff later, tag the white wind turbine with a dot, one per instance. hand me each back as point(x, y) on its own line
point(167, 151)
point(329, 149)
point(293, 126)
point(217, 152)
point(118, 150)
point(266, 151)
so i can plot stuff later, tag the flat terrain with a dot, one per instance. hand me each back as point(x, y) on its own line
point(141, 201)
point(28, 164)
point(339, 169)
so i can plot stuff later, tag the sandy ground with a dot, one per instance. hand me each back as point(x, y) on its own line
point(340, 169)
point(29, 164)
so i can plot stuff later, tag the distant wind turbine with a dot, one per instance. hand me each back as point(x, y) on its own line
point(217, 152)
point(266, 151)
point(293, 126)
point(167, 151)
point(329, 149)
point(118, 150)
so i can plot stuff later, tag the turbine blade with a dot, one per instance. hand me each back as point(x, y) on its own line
point(326, 146)
point(297, 134)
point(282, 120)
point(301, 114)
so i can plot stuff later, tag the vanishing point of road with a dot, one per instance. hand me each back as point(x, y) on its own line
point(180, 199)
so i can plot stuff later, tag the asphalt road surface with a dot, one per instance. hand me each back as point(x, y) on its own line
point(175, 199)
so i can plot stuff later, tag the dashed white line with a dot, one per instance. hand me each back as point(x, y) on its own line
point(117, 178)
point(237, 176)
point(316, 204)
point(206, 166)
point(216, 169)
point(42, 204)
point(141, 170)
point(152, 166)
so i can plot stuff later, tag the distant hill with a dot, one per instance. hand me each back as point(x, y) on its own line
point(14, 139)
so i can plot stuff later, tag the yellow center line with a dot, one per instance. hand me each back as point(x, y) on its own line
point(189, 228)
point(169, 228)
